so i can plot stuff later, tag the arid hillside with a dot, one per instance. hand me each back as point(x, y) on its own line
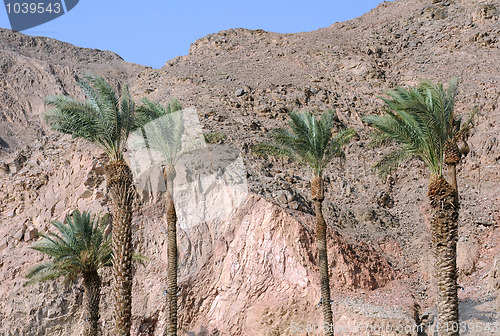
point(254, 272)
point(34, 67)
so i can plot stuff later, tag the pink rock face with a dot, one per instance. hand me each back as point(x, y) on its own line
point(256, 271)
point(251, 273)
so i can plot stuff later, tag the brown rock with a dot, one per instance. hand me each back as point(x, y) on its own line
point(4, 168)
point(494, 278)
point(3, 243)
point(294, 205)
point(19, 234)
point(467, 255)
point(30, 233)
point(282, 197)
point(37, 222)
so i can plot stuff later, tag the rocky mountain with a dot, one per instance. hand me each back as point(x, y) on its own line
point(253, 272)
point(34, 67)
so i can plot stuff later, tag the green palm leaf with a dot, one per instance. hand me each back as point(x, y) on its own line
point(162, 129)
point(103, 118)
point(421, 120)
point(309, 140)
point(79, 246)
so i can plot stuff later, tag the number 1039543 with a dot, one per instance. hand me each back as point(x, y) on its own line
point(33, 8)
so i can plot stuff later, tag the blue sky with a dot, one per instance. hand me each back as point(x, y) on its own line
point(152, 32)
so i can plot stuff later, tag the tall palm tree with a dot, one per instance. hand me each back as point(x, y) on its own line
point(106, 120)
point(421, 119)
point(80, 248)
point(311, 142)
point(162, 130)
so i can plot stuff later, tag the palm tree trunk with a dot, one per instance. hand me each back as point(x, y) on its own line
point(452, 159)
point(120, 186)
point(318, 197)
point(92, 286)
point(444, 226)
point(452, 174)
point(171, 330)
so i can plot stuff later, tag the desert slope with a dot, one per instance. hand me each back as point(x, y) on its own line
point(34, 67)
point(254, 272)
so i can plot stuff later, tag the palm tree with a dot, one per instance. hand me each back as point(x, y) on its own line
point(162, 131)
point(80, 248)
point(311, 142)
point(422, 121)
point(106, 120)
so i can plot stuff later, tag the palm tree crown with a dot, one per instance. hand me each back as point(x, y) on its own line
point(309, 140)
point(80, 247)
point(103, 118)
point(162, 128)
point(422, 120)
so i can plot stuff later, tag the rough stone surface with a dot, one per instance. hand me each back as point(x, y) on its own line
point(30, 233)
point(255, 272)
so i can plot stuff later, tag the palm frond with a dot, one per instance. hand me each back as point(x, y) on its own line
point(334, 147)
point(274, 149)
point(43, 272)
point(78, 246)
point(462, 127)
point(379, 139)
point(162, 127)
point(421, 119)
point(391, 161)
point(104, 118)
point(308, 140)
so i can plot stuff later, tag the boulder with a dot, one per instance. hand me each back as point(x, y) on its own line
point(4, 243)
point(30, 233)
point(19, 234)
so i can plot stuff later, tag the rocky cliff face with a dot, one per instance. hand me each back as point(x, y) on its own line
point(256, 267)
point(34, 67)
point(254, 271)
